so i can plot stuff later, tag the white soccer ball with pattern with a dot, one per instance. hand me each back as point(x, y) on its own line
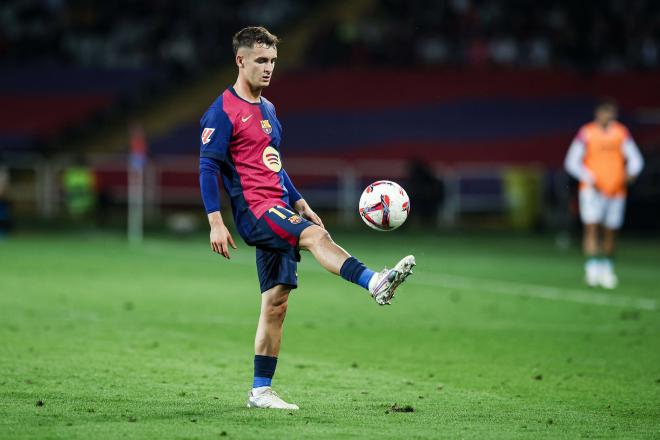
point(384, 205)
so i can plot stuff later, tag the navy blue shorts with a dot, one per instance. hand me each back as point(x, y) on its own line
point(276, 237)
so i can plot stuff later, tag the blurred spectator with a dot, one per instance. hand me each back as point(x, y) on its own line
point(79, 183)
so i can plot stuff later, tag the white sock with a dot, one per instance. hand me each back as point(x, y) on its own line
point(372, 282)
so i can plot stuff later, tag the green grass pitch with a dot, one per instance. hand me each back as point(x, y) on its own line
point(492, 337)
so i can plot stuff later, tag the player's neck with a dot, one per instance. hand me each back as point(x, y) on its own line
point(244, 91)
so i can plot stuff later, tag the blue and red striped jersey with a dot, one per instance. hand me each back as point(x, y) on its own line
point(240, 141)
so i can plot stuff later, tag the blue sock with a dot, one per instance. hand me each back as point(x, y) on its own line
point(354, 271)
point(264, 369)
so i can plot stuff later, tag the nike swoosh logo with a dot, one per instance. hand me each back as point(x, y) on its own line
point(246, 119)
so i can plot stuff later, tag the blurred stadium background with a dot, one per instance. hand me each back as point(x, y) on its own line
point(470, 105)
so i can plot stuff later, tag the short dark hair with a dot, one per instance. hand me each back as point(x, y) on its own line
point(251, 35)
point(607, 103)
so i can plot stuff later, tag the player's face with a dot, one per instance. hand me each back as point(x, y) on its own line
point(605, 115)
point(257, 64)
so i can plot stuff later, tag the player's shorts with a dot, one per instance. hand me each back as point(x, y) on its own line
point(596, 208)
point(276, 237)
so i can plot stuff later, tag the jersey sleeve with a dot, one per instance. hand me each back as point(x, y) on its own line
point(574, 162)
point(215, 132)
point(634, 159)
point(209, 169)
point(294, 195)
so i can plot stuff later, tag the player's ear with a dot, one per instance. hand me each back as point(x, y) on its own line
point(240, 61)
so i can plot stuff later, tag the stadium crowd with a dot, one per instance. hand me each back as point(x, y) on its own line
point(609, 35)
point(473, 33)
point(129, 34)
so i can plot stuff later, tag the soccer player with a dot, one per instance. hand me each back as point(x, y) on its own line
point(605, 159)
point(240, 140)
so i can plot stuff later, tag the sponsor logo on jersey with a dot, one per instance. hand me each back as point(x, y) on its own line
point(271, 158)
point(206, 135)
point(266, 127)
point(245, 119)
point(295, 219)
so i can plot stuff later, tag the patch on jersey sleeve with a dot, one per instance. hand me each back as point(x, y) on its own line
point(206, 135)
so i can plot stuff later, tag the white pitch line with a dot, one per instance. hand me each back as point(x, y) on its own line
point(500, 287)
point(484, 285)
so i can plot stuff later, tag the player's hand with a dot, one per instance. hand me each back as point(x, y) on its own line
point(306, 212)
point(221, 239)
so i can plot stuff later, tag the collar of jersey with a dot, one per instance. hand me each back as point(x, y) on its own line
point(231, 89)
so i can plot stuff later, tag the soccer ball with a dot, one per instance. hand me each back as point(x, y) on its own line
point(384, 205)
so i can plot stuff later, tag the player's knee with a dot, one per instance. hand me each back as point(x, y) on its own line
point(318, 237)
point(276, 305)
point(277, 312)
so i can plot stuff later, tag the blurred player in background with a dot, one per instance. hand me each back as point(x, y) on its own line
point(240, 140)
point(604, 159)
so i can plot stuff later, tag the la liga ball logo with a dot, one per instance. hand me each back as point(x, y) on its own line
point(271, 158)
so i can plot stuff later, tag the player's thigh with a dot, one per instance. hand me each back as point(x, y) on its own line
point(313, 235)
point(592, 206)
point(615, 210)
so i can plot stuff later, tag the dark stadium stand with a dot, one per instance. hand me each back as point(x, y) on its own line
point(64, 64)
point(522, 117)
point(38, 105)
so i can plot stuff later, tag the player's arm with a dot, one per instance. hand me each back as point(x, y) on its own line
point(215, 133)
point(220, 237)
point(574, 162)
point(634, 159)
point(298, 203)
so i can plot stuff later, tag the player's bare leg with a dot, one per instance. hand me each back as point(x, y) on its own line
point(328, 253)
point(267, 347)
point(274, 304)
point(608, 278)
point(590, 240)
point(591, 249)
point(609, 241)
point(335, 259)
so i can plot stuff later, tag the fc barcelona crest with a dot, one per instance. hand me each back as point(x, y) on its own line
point(265, 126)
point(295, 219)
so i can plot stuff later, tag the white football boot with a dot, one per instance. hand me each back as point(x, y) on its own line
point(592, 271)
point(388, 280)
point(266, 397)
point(592, 277)
point(607, 278)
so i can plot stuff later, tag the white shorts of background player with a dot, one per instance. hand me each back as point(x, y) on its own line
point(597, 208)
